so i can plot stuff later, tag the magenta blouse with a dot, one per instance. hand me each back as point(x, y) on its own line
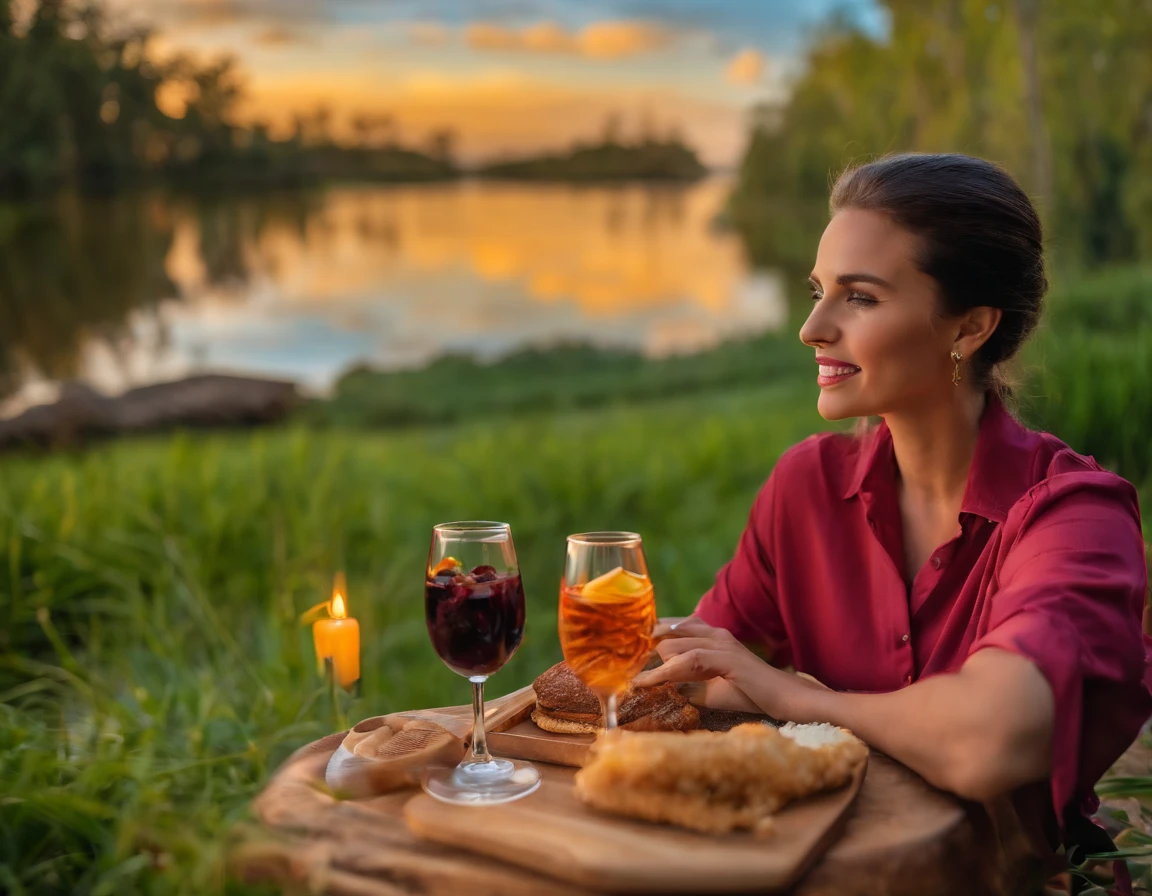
point(1047, 562)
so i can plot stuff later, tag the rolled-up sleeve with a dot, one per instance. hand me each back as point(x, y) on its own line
point(1070, 594)
point(743, 599)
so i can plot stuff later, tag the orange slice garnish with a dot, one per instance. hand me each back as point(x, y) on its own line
point(448, 563)
point(616, 585)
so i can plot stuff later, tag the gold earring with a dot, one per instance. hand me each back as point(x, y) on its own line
point(956, 358)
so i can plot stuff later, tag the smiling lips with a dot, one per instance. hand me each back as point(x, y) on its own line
point(832, 371)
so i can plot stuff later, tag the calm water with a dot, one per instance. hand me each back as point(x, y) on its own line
point(137, 289)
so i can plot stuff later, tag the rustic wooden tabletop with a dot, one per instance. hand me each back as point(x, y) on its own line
point(901, 837)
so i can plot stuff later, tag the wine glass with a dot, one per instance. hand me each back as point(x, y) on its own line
point(607, 613)
point(474, 607)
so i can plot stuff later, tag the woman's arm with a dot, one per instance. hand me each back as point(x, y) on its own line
point(979, 733)
point(743, 597)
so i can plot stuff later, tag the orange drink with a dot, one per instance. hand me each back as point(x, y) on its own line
point(606, 629)
point(607, 613)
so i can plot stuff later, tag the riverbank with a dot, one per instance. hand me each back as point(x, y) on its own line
point(1081, 377)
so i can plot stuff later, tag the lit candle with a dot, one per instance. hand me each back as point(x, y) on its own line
point(338, 638)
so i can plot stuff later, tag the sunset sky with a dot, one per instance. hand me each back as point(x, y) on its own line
point(509, 75)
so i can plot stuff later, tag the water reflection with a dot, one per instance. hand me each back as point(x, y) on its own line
point(72, 272)
point(134, 289)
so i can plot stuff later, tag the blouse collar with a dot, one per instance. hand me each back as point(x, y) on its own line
point(1000, 474)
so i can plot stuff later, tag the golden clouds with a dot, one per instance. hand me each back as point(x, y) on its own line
point(486, 36)
point(746, 67)
point(599, 40)
point(614, 40)
point(499, 111)
point(212, 13)
point(277, 36)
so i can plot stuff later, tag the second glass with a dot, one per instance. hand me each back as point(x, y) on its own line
point(607, 613)
point(474, 608)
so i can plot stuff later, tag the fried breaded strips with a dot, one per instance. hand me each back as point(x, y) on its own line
point(713, 782)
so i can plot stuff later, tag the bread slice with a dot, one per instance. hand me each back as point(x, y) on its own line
point(562, 726)
point(387, 753)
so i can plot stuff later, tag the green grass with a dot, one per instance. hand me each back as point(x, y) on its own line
point(1090, 367)
point(153, 671)
point(1085, 375)
point(558, 379)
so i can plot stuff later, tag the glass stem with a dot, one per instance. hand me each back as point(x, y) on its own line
point(608, 709)
point(479, 739)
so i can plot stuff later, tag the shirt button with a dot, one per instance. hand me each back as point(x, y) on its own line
point(937, 562)
point(904, 637)
point(907, 679)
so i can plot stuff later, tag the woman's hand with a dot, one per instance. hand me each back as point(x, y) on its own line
point(979, 732)
point(735, 678)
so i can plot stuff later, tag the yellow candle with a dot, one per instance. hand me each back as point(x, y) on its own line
point(338, 638)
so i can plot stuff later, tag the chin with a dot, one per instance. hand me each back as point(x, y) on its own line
point(843, 402)
point(834, 406)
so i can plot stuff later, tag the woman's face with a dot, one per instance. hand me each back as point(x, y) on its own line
point(881, 344)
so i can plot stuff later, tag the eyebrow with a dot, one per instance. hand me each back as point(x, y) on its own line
point(845, 279)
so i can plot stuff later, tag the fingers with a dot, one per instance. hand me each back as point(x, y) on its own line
point(698, 664)
point(669, 623)
point(676, 646)
point(686, 627)
point(666, 626)
point(719, 693)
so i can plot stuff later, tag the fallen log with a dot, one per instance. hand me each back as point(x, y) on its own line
point(209, 400)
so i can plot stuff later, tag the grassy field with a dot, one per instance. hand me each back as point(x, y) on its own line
point(153, 671)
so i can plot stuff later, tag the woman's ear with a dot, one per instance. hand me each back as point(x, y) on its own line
point(976, 326)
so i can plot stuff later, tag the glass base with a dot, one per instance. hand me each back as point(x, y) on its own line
point(482, 783)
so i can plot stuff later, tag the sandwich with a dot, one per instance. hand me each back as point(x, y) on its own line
point(565, 705)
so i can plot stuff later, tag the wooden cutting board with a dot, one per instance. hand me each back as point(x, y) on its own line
point(554, 833)
point(901, 838)
point(525, 741)
point(511, 732)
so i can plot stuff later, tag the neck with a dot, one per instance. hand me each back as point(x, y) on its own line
point(934, 446)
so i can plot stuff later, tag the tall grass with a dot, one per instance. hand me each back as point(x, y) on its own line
point(1089, 370)
point(154, 671)
point(560, 378)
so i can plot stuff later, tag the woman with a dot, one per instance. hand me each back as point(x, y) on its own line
point(969, 591)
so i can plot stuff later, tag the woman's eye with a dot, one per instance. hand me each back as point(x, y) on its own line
point(861, 298)
point(817, 296)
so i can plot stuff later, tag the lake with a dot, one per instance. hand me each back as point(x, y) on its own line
point(139, 288)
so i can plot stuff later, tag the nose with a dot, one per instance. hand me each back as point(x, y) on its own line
point(819, 329)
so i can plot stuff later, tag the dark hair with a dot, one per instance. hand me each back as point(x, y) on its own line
point(980, 239)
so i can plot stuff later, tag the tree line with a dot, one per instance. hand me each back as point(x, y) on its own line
point(83, 101)
point(1060, 92)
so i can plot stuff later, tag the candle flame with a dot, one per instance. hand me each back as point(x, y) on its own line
point(337, 608)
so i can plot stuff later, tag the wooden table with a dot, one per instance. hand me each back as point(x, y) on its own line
point(903, 837)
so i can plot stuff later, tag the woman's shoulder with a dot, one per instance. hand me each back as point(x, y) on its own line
point(1060, 474)
point(819, 450)
point(821, 463)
